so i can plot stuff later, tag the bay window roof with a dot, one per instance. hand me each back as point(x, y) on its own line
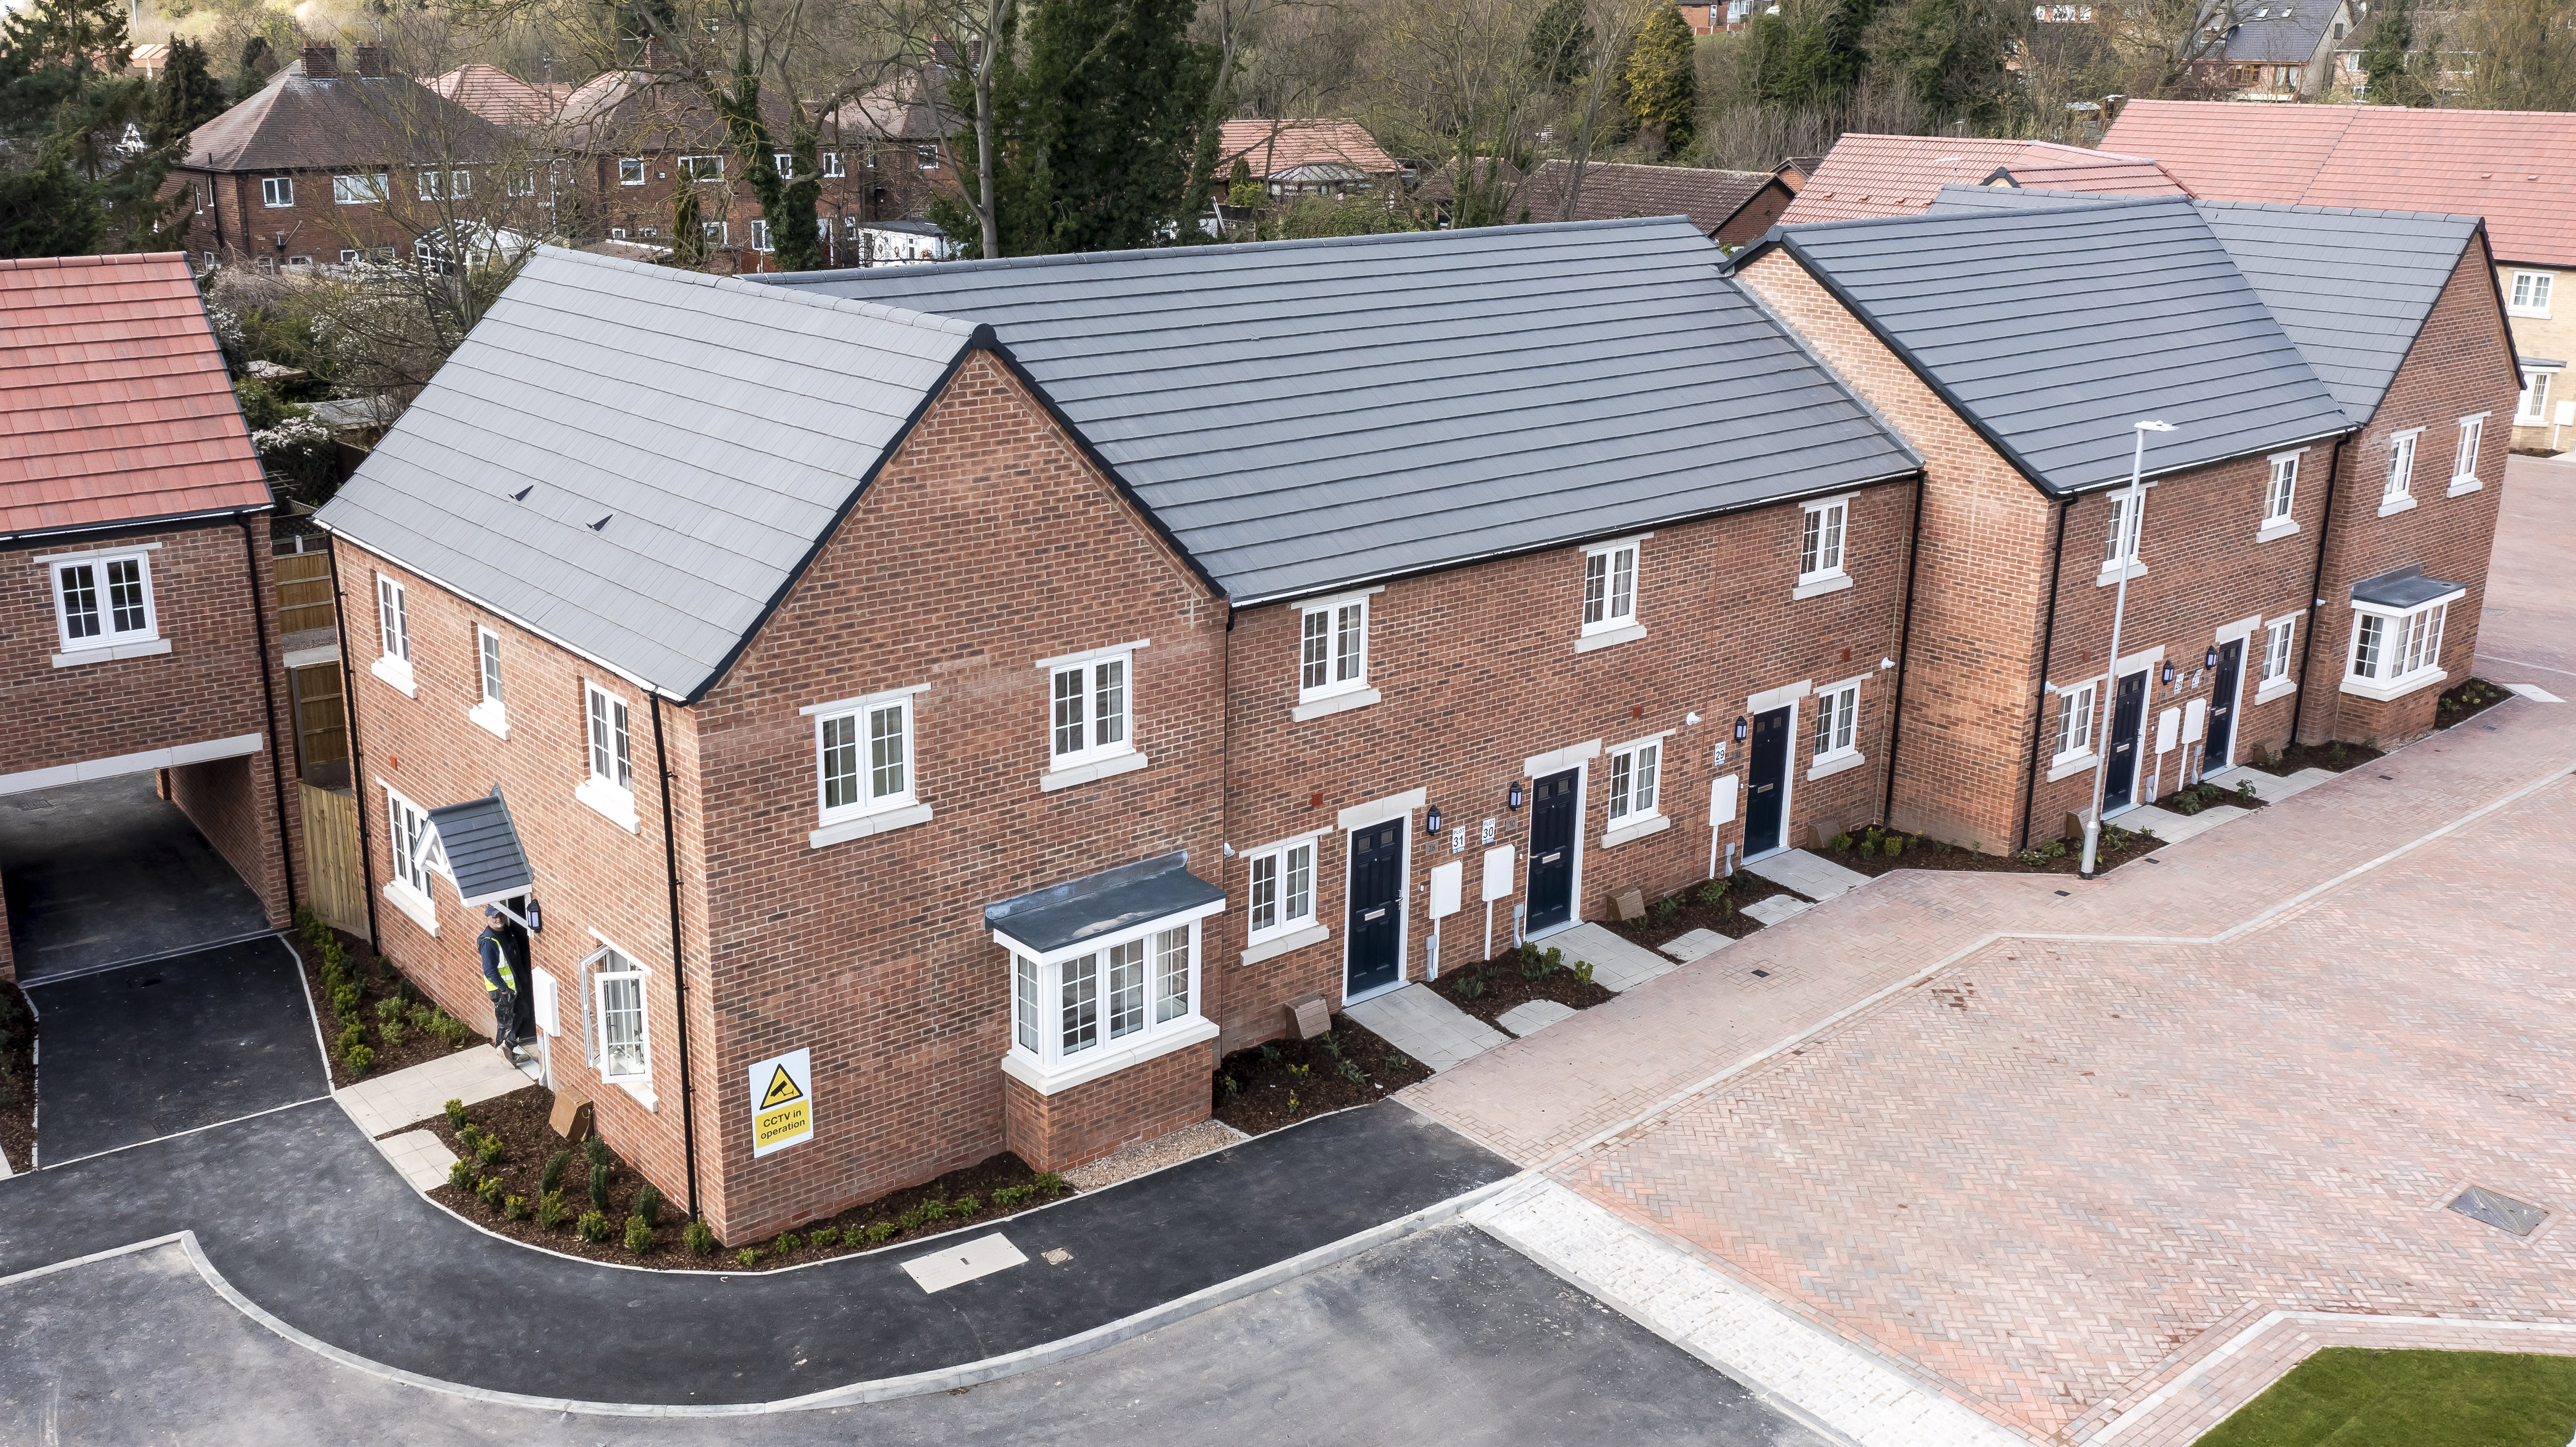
point(1098, 906)
point(2405, 588)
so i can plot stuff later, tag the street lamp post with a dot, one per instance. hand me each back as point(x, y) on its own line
point(2125, 540)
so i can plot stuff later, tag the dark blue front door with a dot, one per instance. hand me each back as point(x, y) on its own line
point(1766, 784)
point(2222, 707)
point(1377, 907)
point(2120, 776)
point(1551, 866)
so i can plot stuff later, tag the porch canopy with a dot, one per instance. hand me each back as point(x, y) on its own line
point(482, 849)
point(1046, 922)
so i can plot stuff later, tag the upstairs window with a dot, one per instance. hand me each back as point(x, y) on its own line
point(487, 650)
point(612, 762)
point(1332, 650)
point(2282, 492)
point(2401, 467)
point(832, 165)
point(702, 168)
point(2530, 295)
point(1820, 541)
point(2464, 453)
point(1609, 587)
point(784, 162)
point(393, 635)
point(446, 185)
point(630, 171)
point(865, 759)
point(277, 191)
point(361, 189)
point(2128, 516)
point(102, 601)
point(1089, 702)
point(929, 157)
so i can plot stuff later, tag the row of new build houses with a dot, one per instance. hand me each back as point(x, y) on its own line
point(1012, 683)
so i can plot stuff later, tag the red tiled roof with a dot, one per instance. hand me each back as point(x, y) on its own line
point(2515, 168)
point(498, 96)
point(1867, 175)
point(1299, 143)
point(2111, 175)
point(114, 403)
point(1613, 192)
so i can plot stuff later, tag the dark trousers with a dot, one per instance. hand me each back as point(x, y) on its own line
point(505, 1013)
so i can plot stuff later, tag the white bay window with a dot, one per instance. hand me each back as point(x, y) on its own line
point(2396, 650)
point(1086, 1011)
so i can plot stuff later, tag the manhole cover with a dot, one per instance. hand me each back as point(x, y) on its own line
point(2502, 1212)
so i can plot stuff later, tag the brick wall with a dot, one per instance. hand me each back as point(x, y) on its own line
point(1758, 216)
point(608, 203)
point(2461, 364)
point(1058, 1132)
point(1477, 672)
point(225, 214)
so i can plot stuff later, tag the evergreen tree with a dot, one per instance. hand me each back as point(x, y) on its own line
point(1663, 80)
point(64, 99)
point(786, 204)
point(187, 96)
point(48, 210)
point(1949, 53)
point(1558, 41)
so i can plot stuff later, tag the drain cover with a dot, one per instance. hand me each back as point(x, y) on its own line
point(2502, 1212)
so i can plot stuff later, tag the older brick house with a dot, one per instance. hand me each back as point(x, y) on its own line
point(134, 557)
point(2280, 580)
point(883, 683)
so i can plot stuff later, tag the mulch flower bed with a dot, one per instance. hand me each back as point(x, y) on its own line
point(2054, 856)
point(1717, 904)
point(2474, 696)
point(1488, 989)
point(415, 1031)
point(2192, 798)
point(17, 1079)
point(996, 1187)
point(2333, 757)
point(1282, 1082)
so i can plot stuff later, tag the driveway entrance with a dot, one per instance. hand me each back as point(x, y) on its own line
point(106, 870)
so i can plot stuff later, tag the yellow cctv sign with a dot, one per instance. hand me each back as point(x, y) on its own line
point(782, 1102)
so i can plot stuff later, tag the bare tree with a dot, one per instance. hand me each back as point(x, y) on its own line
point(1610, 28)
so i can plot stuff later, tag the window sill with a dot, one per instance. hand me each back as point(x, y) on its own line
point(1334, 703)
point(2460, 486)
point(2110, 575)
point(1277, 945)
point(2277, 528)
point(2069, 765)
point(885, 822)
point(395, 671)
point(2391, 506)
point(2277, 688)
point(1629, 833)
point(2395, 687)
point(1827, 768)
point(1055, 779)
point(615, 805)
point(2539, 314)
point(492, 717)
point(1104, 1060)
point(641, 1090)
point(1819, 587)
point(1607, 636)
point(142, 648)
point(419, 910)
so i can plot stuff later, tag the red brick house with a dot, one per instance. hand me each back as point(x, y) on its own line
point(1732, 208)
point(2295, 571)
point(134, 557)
point(1012, 750)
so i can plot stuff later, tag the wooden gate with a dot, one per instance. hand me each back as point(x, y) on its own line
point(331, 858)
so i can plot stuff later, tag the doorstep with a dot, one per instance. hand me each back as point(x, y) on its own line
point(390, 1102)
point(1698, 944)
point(1418, 1022)
point(1617, 965)
point(1813, 875)
point(1778, 907)
point(2270, 788)
point(2174, 827)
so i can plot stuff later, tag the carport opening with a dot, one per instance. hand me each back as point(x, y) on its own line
point(109, 870)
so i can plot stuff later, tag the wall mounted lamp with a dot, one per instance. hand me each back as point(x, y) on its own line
point(1739, 728)
point(1514, 797)
point(2209, 659)
point(2169, 671)
point(1431, 821)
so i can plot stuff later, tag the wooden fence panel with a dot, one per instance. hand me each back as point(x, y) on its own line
point(304, 592)
point(332, 860)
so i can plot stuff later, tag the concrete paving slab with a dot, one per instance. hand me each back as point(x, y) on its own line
point(404, 1097)
point(1617, 964)
point(2535, 693)
point(2272, 788)
point(1697, 943)
point(2173, 826)
point(1777, 908)
point(422, 1158)
point(1426, 1027)
point(1530, 1017)
point(1810, 874)
point(107, 870)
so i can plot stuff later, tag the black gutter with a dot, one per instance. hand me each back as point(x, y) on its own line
point(357, 773)
point(679, 965)
point(2039, 709)
point(268, 697)
point(2316, 580)
point(1904, 653)
point(165, 522)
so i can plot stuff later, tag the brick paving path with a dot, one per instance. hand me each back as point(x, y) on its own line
point(2127, 1121)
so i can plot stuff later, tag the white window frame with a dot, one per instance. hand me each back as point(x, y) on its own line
point(832, 165)
point(1608, 614)
point(1066, 981)
point(360, 188)
point(1824, 535)
point(630, 171)
point(927, 156)
point(444, 185)
point(2280, 497)
point(2405, 647)
point(414, 854)
point(2464, 455)
point(2280, 658)
point(2531, 408)
point(1085, 717)
point(100, 590)
point(868, 810)
point(1270, 876)
point(277, 193)
point(2529, 293)
point(760, 235)
point(393, 636)
point(2399, 493)
point(695, 168)
point(1632, 777)
point(2079, 708)
point(607, 720)
point(1835, 730)
point(784, 163)
point(490, 711)
point(1332, 648)
point(2127, 533)
point(621, 968)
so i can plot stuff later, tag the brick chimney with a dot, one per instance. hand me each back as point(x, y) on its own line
point(371, 62)
point(322, 62)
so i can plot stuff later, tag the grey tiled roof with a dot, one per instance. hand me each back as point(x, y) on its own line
point(2282, 35)
point(634, 461)
point(482, 846)
point(1308, 414)
point(2351, 287)
point(1099, 905)
point(2051, 330)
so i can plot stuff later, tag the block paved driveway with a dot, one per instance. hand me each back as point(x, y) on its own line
point(2052, 1173)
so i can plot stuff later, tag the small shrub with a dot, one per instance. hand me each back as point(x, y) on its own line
point(639, 1235)
point(344, 1001)
point(551, 1211)
point(2057, 848)
point(911, 1220)
point(551, 1178)
point(1842, 843)
point(2032, 857)
point(648, 1204)
point(389, 1010)
point(1230, 1083)
point(1894, 846)
point(935, 1209)
point(492, 1149)
point(460, 1174)
point(1726, 909)
point(514, 1208)
point(596, 1149)
point(1294, 1105)
point(1351, 1072)
point(1665, 909)
point(1009, 1196)
point(963, 1207)
point(2245, 794)
point(450, 1029)
point(824, 1238)
point(1397, 1062)
point(488, 1191)
point(1715, 890)
point(2186, 804)
point(1049, 1184)
point(747, 1256)
point(305, 921)
point(1473, 986)
point(359, 1058)
point(394, 1034)
point(592, 1227)
point(699, 1237)
point(1332, 1045)
point(599, 1187)
point(1583, 971)
point(421, 1016)
point(786, 1244)
point(1301, 1070)
point(1270, 1054)
point(355, 1034)
point(881, 1231)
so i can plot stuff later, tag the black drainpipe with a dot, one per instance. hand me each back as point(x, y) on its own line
point(1904, 654)
point(357, 774)
point(2039, 710)
point(268, 696)
point(679, 966)
point(2316, 605)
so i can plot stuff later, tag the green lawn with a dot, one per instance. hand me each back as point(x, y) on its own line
point(2354, 1397)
